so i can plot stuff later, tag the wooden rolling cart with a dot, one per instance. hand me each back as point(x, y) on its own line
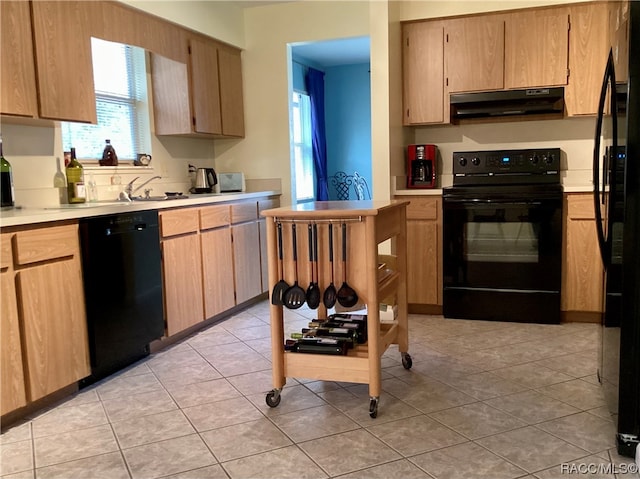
point(368, 223)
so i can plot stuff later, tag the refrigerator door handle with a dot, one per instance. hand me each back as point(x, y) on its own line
point(609, 78)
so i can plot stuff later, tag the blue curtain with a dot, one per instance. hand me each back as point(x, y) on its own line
point(315, 87)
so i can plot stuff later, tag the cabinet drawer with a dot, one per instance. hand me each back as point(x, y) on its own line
point(176, 222)
point(46, 243)
point(214, 216)
point(5, 250)
point(268, 204)
point(423, 208)
point(241, 212)
point(580, 207)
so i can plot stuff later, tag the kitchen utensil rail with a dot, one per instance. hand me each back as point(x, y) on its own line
point(368, 226)
point(358, 219)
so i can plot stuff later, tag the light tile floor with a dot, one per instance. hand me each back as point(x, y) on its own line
point(483, 400)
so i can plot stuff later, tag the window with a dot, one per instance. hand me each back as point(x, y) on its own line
point(302, 150)
point(121, 102)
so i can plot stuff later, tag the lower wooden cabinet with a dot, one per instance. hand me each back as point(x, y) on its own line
point(212, 260)
point(246, 261)
point(13, 392)
point(582, 267)
point(424, 253)
point(217, 259)
point(44, 328)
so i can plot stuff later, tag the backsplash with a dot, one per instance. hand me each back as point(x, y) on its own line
point(33, 151)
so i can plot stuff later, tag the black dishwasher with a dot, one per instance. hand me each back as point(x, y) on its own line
point(123, 289)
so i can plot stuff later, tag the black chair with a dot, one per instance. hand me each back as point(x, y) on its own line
point(343, 182)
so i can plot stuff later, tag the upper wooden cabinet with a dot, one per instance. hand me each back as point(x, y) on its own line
point(527, 48)
point(202, 97)
point(587, 58)
point(62, 42)
point(205, 86)
point(474, 53)
point(423, 66)
point(536, 48)
point(17, 70)
point(619, 36)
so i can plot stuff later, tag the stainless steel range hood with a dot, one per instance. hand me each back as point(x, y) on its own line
point(507, 103)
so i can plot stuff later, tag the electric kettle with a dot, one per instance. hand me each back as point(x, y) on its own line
point(206, 179)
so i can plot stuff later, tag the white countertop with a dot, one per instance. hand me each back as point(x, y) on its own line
point(29, 215)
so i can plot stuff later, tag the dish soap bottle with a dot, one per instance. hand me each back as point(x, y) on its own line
point(75, 180)
point(6, 181)
point(109, 157)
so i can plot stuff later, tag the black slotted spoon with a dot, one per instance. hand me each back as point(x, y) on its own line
point(294, 296)
point(329, 297)
point(281, 286)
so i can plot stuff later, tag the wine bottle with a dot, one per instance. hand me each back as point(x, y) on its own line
point(359, 328)
point(75, 180)
point(317, 346)
point(6, 181)
point(60, 183)
point(109, 157)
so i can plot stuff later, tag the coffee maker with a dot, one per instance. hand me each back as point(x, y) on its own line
point(421, 166)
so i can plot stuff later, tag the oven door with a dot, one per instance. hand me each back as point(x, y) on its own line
point(502, 255)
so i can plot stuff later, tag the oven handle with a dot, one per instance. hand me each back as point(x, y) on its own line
point(478, 201)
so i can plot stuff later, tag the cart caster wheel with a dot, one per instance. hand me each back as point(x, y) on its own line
point(273, 398)
point(373, 407)
point(407, 362)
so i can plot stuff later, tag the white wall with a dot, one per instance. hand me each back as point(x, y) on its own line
point(265, 152)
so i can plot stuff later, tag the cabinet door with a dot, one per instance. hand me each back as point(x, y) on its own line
point(246, 261)
point(538, 57)
point(62, 41)
point(424, 250)
point(18, 86)
point(231, 98)
point(263, 256)
point(182, 280)
point(582, 271)
point(205, 87)
point(217, 262)
point(13, 394)
point(423, 73)
point(588, 53)
point(54, 326)
point(474, 53)
point(171, 106)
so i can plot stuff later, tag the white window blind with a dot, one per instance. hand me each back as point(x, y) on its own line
point(302, 148)
point(121, 103)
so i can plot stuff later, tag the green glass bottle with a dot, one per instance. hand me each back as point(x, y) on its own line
point(6, 181)
point(75, 180)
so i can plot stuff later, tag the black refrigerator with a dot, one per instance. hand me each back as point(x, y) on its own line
point(616, 178)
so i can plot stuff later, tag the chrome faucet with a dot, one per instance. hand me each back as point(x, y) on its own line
point(129, 190)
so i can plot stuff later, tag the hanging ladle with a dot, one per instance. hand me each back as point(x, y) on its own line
point(329, 297)
point(281, 286)
point(347, 296)
point(313, 291)
point(294, 296)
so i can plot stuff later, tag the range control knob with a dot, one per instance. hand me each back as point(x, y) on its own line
point(548, 159)
point(475, 160)
point(463, 161)
point(534, 159)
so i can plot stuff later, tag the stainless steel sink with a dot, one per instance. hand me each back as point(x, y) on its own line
point(159, 198)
